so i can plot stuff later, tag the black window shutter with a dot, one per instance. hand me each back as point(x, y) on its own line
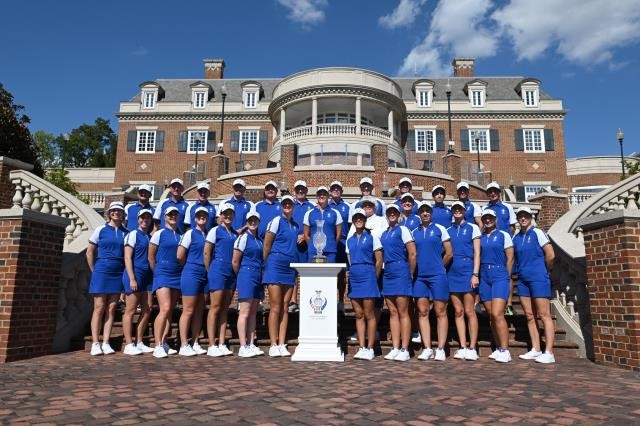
point(520, 193)
point(235, 141)
point(211, 141)
point(160, 141)
point(132, 137)
point(464, 139)
point(182, 141)
point(295, 155)
point(549, 143)
point(264, 141)
point(411, 140)
point(494, 138)
point(439, 140)
point(518, 135)
point(157, 191)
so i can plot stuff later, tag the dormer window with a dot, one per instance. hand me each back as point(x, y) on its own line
point(529, 90)
point(423, 89)
point(477, 92)
point(530, 97)
point(251, 91)
point(199, 99)
point(250, 99)
point(149, 99)
point(151, 93)
point(200, 94)
point(477, 98)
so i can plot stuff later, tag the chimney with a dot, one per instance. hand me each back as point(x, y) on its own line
point(213, 69)
point(463, 67)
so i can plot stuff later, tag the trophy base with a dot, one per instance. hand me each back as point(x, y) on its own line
point(319, 259)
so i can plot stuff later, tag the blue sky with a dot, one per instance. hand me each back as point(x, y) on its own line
point(71, 61)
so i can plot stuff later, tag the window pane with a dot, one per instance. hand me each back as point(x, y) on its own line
point(197, 141)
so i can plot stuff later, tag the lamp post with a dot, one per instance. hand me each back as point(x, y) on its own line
point(620, 139)
point(195, 168)
point(223, 91)
point(448, 92)
point(478, 153)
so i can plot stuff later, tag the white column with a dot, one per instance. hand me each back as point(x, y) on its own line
point(358, 115)
point(314, 116)
point(359, 159)
point(282, 121)
point(312, 159)
point(274, 133)
point(390, 125)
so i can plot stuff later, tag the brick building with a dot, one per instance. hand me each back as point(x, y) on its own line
point(342, 123)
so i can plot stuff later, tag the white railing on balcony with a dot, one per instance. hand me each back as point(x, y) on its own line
point(576, 198)
point(297, 133)
point(334, 129)
point(375, 133)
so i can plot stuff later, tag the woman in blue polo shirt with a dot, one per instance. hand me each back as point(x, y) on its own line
point(280, 249)
point(496, 261)
point(463, 278)
point(534, 260)
point(247, 264)
point(332, 226)
point(218, 253)
point(408, 218)
point(268, 207)
point(137, 279)
point(364, 252)
point(399, 268)
point(166, 277)
point(441, 212)
point(434, 253)
point(193, 282)
point(105, 256)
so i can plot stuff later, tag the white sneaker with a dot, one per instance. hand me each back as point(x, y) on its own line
point(461, 353)
point(340, 306)
point(392, 354)
point(503, 356)
point(198, 349)
point(440, 354)
point(368, 354)
point(403, 355)
point(224, 350)
point(471, 355)
point(546, 358)
point(274, 351)
point(107, 349)
point(354, 337)
point(132, 349)
point(168, 349)
point(427, 354)
point(187, 350)
point(360, 353)
point(283, 350)
point(532, 354)
point(159, 352)
point(494, 354)
point(96, 349)
point(245, 352)
point(144, 348)
point(256, 350)
point(416, 338)
point(213, 351)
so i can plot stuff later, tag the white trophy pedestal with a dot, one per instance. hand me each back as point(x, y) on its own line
point(318, 340)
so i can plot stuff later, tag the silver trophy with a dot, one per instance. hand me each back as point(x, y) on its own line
point(319, 242)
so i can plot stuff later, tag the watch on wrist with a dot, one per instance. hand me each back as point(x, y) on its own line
point(475, 274)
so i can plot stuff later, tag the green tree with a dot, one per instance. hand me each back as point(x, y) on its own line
point(59, 178)
point(46, 148)
point(15, 138)
point(89, 145)
point(632, 167)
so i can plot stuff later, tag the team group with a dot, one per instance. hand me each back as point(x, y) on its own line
point(410, 254)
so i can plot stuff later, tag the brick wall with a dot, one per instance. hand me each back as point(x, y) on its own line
point(7, 189)
point(593, 179)
point(30, 261)
point(612, 249)
point(552, 207)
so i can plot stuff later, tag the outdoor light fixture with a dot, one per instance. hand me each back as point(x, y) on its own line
point(448, 92)
point(223, 91)
point(621, 139)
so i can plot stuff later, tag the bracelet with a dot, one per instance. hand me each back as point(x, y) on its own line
point(475, 274)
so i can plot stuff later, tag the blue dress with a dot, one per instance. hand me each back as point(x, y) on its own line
point(267, 212)
point(190, 215)
point(221, 275)
point(397, 276)
point(442, 215)
point(461, 268)
point(533, 278)
point(431, 276)
point(363, 283)
point(193, 280)
point(167, 271)
point(332, 219)
point(250, 272)
point(163, 205)
point(299, 212)
point(343, 208)
point(241, 207)
point(505, 217)
point(139, 241)
point(131, 214)
point(109, 265)
point(494, 277)
point(283, 252)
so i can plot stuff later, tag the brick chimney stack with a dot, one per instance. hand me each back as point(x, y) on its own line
point(463, 67)
point(213, 69)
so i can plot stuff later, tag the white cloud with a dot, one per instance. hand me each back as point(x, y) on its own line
point(403, 15)
point(140, 51)
point(305, 12)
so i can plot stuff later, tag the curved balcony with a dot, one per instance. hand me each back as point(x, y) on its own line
point(336, 129)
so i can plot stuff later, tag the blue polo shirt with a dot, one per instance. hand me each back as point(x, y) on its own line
point(414, 209)
point(109, 242)
point(193, 240)
point(166, 257)
point(251, 248)
point(267, 212)
point(222, 240)
point(139, 242)
point(299, 212)
point(379, 206)
point(462, 237)
point(332, 219)
point(441, 215)
point(131, 212)
point(529, 254)
point(190, 215)
point(343, 208)
point(472, 211)
point(429, 249)
point(242, 206)
point(411, 222)
point(505, 215)
point(286, 236)
point(394, 241)
point(492, 247)
point(181, 205)
point(361, 250)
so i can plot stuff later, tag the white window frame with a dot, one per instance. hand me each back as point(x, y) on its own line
point(426, 147)
point(472, 140)
point(423, 98)
point(245, 141)
point(145, 134)
point(479, 101)
point(191, 139)
point(199, 96)
point(530, 97)
point(149, 99)
point(532, 148)
point(251, 98)
point(531, 190)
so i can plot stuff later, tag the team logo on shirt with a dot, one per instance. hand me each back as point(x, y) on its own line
point(318, 302)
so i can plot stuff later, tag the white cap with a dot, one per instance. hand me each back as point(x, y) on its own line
point(462, 185)
point(358, 211)
point(271, 182)
point(425, 203)
point(300, 183)
point(252, 213)
point(171, 209)
point(145, 211)
point(407, 195)
point(204, 185)
point(368, 199)
point(436, 187)
point(525, 209)
point(322, 188)
point(489, 212)
point(177, 180)
point(145, 187)
point(366, 180)
point(336, 183)
point(493, 185)
point(392, 206)
point(116, 205)
point(287, 197)
point(458, 204)
point(201, 209)
point(405, 179)
point(226, 206)
point(239, 182)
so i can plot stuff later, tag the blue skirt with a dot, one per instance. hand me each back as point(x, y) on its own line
point(107, 277)
point(221, 276)
point(250, 283)
point(193, 280)
point(144, 278)
point(363, 283)
point(397, 280)
point(459, 275)
point(278, 271)
point(165, 279)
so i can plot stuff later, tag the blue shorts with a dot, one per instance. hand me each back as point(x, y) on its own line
point(278, 271)
point(397, 279)
point(433, 287)
point(221, 277)
point(193, 280)
point(144, 278)
point(363, 283)
point(459, 275)
point(494, 283)
point(107, 277)
point(534, 289)
point(250, 283)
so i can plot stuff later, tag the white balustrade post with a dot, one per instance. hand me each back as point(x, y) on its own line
point(314, 116)
point(283, 116)
point(390, 125)
point(17, 197)
point(26, 201)
point(46, 204)
point(37, 205)
point(358, 115)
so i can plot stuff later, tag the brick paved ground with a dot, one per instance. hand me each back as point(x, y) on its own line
point(75, 388)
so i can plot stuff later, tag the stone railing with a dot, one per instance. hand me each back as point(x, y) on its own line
point(576, 198)
point(569, 277)
point(296, 133)
point(375, 133)
point(334, 129)
point(93, 199)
